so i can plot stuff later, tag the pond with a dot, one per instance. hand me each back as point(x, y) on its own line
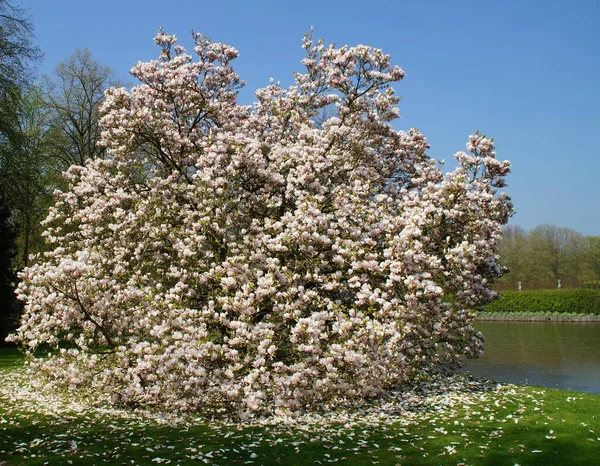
point(563, 355)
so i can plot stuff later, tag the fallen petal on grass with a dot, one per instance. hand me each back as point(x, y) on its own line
point(442, 418)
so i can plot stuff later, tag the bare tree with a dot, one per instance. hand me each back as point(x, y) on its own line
point(75, 93)
point(17, 59)
point(17, 54)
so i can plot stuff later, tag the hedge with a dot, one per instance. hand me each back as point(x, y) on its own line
point(577, 301)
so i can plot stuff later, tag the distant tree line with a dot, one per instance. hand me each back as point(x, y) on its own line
point(46, 125)
point(547, 255)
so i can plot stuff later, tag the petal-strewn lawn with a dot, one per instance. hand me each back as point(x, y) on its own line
point(451, 420)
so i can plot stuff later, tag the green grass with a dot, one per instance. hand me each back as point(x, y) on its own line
point(10, 357)
point(484, 424)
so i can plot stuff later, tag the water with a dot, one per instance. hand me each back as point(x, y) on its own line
point(563, 355)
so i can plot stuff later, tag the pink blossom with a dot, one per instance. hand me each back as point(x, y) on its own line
point(264, 258)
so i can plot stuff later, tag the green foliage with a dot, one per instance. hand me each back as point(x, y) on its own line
point(27, 173)
point(547, 254)
point(575, 301)
point(43, 130)
point(594, 257)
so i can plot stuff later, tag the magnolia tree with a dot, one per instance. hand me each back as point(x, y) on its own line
point(262, 258)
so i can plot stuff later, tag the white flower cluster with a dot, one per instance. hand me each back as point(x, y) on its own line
point(267, 258)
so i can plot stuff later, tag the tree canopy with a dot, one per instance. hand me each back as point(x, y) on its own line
point(547, 254)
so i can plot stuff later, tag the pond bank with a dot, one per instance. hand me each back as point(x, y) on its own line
point(484, 317)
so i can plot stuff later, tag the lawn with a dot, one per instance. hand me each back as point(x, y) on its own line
point(449, 420)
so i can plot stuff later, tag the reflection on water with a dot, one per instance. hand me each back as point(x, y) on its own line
point(559, 355)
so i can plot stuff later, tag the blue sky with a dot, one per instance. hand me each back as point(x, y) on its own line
point(524, 72)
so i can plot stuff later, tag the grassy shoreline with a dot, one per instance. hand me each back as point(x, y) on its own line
point(449, 420)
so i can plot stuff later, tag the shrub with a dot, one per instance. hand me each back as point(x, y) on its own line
point(257, 259)
point(576, 301)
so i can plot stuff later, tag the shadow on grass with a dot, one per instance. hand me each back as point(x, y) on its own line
point(10, 356)
point(84, 440)
point(529, 445)
point(531, 426)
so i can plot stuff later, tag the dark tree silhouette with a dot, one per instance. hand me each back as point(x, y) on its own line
point(9, 306)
